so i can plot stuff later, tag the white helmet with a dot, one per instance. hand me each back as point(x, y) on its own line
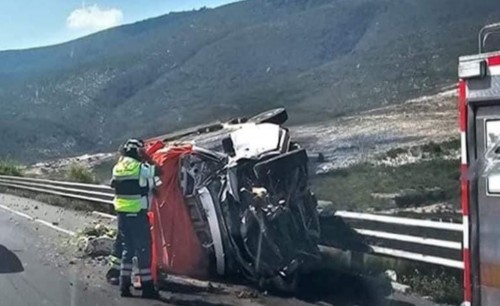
point(133, 145)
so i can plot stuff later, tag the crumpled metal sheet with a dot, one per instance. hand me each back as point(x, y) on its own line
point(274, 225)
point(198, 168)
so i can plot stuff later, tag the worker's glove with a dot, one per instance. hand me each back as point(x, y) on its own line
point(154, 185)
point(157, 182)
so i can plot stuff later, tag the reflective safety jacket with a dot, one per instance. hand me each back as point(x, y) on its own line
point(129, 186)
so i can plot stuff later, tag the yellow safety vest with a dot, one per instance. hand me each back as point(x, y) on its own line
point(128, 192)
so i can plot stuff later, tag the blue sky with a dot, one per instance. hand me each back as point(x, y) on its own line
point(31, 23)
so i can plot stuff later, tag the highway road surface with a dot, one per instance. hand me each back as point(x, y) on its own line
point(32, 272)
point(39, 265)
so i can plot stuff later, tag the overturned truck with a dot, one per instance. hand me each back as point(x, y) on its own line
point(243, 211)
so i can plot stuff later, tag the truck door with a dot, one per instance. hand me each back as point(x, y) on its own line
point(487, 207)
point(479, 95)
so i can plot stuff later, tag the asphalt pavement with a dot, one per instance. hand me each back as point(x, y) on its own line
point(32, 272)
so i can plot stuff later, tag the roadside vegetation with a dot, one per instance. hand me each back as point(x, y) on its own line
point(431, 177)
point(358, 188)
point(103, 171)
point(443, 285)
point(80, 174)
point(431, 150)
point(10, 168)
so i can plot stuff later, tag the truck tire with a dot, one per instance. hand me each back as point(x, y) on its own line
point(275, 116)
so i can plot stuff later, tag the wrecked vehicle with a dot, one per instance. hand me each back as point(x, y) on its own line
point(244, 211)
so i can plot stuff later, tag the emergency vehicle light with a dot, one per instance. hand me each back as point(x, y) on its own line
point(472, 69)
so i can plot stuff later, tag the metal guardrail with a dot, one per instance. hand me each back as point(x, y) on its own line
point(426, 241)
point(420, 240)
point(87, 192)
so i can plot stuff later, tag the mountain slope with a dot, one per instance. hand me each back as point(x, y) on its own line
point(319, 58)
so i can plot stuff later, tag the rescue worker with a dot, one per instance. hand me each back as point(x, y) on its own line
point(132, 178)
point(113, 274)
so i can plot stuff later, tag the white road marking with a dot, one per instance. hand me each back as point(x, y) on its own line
point(46, 223)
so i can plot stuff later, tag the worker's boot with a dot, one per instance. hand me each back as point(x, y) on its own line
point(125, 292)
point(113, 276)
point(149, 291)
point(125, 287)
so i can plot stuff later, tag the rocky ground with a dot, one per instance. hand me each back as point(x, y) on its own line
point(354, 139)
point(48, 168)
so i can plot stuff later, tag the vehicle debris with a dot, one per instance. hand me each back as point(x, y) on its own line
point(96, 241)
point(98, 231)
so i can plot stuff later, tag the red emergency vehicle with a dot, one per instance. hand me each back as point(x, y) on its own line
point(479, 109)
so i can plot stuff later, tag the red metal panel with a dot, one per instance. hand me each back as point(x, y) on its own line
point(464, 186)
point(177, 247)
point(462, 105)
point(494, 61)
point(464, 189)
point(467, 276)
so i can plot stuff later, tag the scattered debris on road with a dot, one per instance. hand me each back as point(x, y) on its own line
point(96, 241)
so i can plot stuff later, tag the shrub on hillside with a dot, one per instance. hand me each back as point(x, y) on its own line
point(393, 153)
point(80, 174)
point(10, 168)
point(432, 148)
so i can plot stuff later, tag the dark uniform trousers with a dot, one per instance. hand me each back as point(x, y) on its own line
point(135, 237)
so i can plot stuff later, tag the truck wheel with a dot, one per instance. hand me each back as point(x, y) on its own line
point(276, 116)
